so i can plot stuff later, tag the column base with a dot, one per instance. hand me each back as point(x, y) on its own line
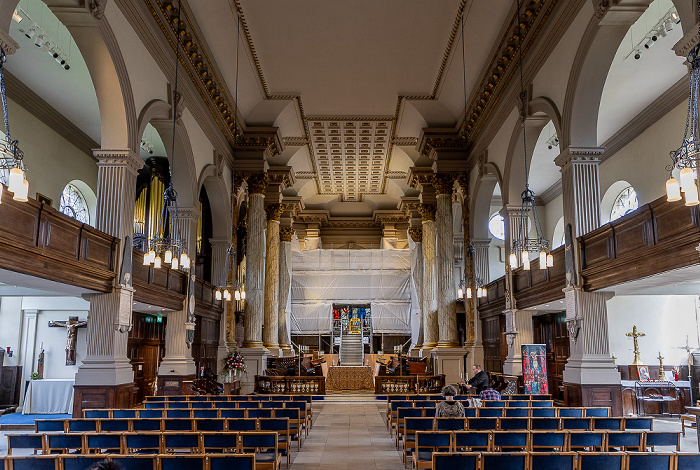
point(449, 361)
point(513, 365)
point(183, 366)
point(288, 352)
point(256, 363)
point(591, 369)
point(604, 395)
point(104, 371)
point(275, 351)
point(416, 352)
point(87, 397)
point(476, 355)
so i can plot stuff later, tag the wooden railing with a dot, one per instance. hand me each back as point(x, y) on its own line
point(291, 385)
point(37, 240)
point(408, 384)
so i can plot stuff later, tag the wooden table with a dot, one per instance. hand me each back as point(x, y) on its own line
point(695, 410)
point(350, 378)
point(232, 388)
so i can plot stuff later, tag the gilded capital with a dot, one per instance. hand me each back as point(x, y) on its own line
point(416, 234)
point(443, 183)
point(274, 211)
point(427, 212)
point(286, 234)
point(257, 183)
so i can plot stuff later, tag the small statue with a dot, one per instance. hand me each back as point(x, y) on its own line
point(40, 363)
point(71, 327)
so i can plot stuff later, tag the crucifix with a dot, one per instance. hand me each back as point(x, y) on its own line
point(661, 366)
point(636, 334)
point(71, 327)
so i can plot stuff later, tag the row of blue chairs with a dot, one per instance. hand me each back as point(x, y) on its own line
point(465, 397)
point(188, 413)
point(134, 462)
point(563, 461)
point(219, 398)
point(208, 405)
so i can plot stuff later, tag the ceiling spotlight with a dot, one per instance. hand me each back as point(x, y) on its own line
point(674, 16)
point(31, 32)
point(662, 31)
point(39, 41)
point(649, 43)
point(637, 54)
point(668, 25)
point(16, 16)
point(60, 59)
point(67, 67)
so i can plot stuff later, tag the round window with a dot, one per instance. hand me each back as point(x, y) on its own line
point(497, 226)
point(73, 204)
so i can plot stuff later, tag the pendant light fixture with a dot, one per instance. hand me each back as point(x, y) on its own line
point(521, 241)
point(11, 157)
point(168, 246)
point(685, 157)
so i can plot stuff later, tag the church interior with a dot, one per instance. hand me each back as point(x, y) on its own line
point(353, 201)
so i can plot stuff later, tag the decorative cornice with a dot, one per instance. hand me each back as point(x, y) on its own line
point(257, 183)
point(432, 140)
point(578, 155)
point(118, 158)
point(305, 175)
point(350, 224)
point(409, 204)
point(419, 175)
point(295, 141)
point(427, 212)
point(685, 45)
point(397, 175)
point(551, 193)
point(349, 118)
point(385, 217)
point(274, 212)
point(405, 141)
point(257, 138)
point(416, 234)
point(601, 7)
point(191, 213)
point(282, 175)
point(286, 234)
point(8, 44)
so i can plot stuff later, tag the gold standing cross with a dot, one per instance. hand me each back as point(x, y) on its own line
point(636, 334)
point(661, 366)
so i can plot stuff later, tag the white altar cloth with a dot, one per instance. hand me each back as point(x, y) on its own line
point(49, 396)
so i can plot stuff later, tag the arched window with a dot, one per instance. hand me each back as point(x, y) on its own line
point(625, 202)
point(73, 204)
point(497, 226)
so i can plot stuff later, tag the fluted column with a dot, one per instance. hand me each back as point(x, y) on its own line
point(518, 332)
point(255, 267)
point(447, 317)
point(512, 215)
point(272, 264)
point(219, 248)
point(481, 258)
point(430, 293)
point(416, 235)
point(106, 363)
point(580, 179)
point(285, 284)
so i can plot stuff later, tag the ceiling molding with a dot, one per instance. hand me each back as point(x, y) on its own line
point(305, 175)
point(405, 141)
point(295, 141)
point(31, 102)
point(551, 193)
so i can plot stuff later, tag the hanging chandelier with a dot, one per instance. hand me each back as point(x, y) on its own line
point(168, 246)
point(11, 157)
point(523, 243)
point(685, 157)
point(480, 290)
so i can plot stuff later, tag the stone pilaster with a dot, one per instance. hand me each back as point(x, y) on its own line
point(581, 187)
point(518, 332)
point(178, 357)
point(272, 264)
point(28, 351)
point(430, 292)
point(285, 284)
point(481, 258)
point(512, 216)
point(219, 275)
point(447, 318)
point(416, 235)
point(188, 229)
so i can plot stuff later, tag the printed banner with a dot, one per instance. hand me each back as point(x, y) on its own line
point(535, 369)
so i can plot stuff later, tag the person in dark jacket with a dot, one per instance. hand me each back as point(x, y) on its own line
point(479, 381)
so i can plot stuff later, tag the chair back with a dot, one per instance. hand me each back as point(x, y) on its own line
point(518, 404)
point(45, 462)
point(142, 443)
point(450, 424)
point(591, 440)
point(63, 443)
point(79, 462)
point(505, 440)
point(514, 412)
point(178, 413)
point(453, 460)
point(571, 412)
point(686, 461)
point(490, 412)
point(515, 424)
point(259, 413)
point(625, 440)
point(124, 414)
point(99, 443)
point(608, 424)
point(550, 424)
point(182, 462)
point(642, 423)
point(437, 441)
point(96, 414)
point(232, 462)
point(25, 442)
point(493, 403)
point(473, 441)
point(501, 460)
point(217, 424)
point(219, 442)
point(543, 412)
point(468, 412)
point(547, 440)
point(650, 460)
point(482, 424)
point(82, 425)
point(177, 424)
point(145, 425)
point(205, 414)
point(553, 460)
point(181, 441)
point(663, 438)
point(114, 425)
point(232, 413)
point(597, 412)
point(135, 462)
point(601, 460)
point(151, 414)
point(243, 424)
point(419, 424)
point(578, 424)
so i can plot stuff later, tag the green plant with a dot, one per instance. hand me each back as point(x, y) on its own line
point(35, 376)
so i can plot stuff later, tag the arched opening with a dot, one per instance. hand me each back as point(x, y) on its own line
point(78, 201)
point(204, 235)
point(619, 200)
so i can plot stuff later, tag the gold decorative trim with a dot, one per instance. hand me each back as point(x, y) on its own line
point(286, 234)
point(427, 212)
point(416, 234)
point(443, 183)
point(274, 212)
point(257, 183)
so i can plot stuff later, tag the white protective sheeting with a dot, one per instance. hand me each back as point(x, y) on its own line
point(321, 278)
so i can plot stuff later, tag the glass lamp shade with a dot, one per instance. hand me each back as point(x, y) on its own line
point(242, 295)
point(227, 295)
point(543, 259)
point(22, 193)
point(526, 260)
point(673, 190)
point(483, 292)
point(460, 293)
point(152, 256)
point(168, 257)
point(146, 259)
point(157, 262)
point(469, 292)
point(691, 196)
point(237, 295)
point(513, 261)
point(550, 260)
point(185, 261)
point(217, 295)
point(687, 177)
point(15, 180)
point(174, 262)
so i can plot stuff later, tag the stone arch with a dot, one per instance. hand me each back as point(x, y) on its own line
point(154, 109)
point(483, 195)
point(219, 201)
point(542, 105)
point(183, 166)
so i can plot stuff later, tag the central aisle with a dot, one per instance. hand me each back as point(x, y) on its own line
point(348, 435)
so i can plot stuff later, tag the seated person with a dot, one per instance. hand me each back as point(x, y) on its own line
point(489, 394)
point(479, 381)
point(449, 408)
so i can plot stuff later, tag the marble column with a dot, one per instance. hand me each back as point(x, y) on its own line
point(219, 276)
point(430, 304)
point(518, 332)
point(106, 365)
point(272, 265)
point(255, 267)
point(580, 179)
point(416, 235)
point(285, 284)
point(447, 317)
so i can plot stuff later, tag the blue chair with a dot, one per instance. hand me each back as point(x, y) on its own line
point(662, 438)
point(243, 424)
point(177, 398)
point(146, 425)
point(601, 460)
point(215, 442)
point(39, 462)
point(248, 404)
point(295, 421)
point(571, 412)
point(156, 398)
point(518, 404)
point(232, 462)
point(430, 412)
point(154, 405)
point(31, 442)
point(114, 425)
point(553, 461)
point(259, 413)
point(96, 414)
point(217, 424)
point(411, 426)
point(493, 403)
point(543, 412)
point(201, 405)
point(284, 436)
point(650, 461)
point(232, 413)
point(102, 443)
point(151, 414)
point(575, 424)
point(256, 442)
point(685, 461)
point(547, 441)
point(259, 398)
point(424, 404)
point(504, 460)
point(180, 442)
point(625, 440)
point(273, 404)
point(429, 442)
point(142, 443)
point(514, 412)
point(80, 462)
point(469, 412)
point(305, 412)
point(597, 412)
point(64, 443)
point(124, 414)
point(182, 462)
point(540, 397)
point(545, 424)
point(401, 415)
point(514, 424)
point(226, 405)
point(177, 425)
point(451, 424)
point(135, 462)
point(541, 404)
point(454, 460)
point(504, 441)
point(179, 405)
point(82, 425)
point(608, 424)
point(49, 425)
point(472, 441)
point(482, 424)
point(178, 413)
point(587, 440)
point(643, 423)
point(490, 412)
point(205, 414)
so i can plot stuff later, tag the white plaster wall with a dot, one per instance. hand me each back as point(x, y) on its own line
point(665, 319)
point(54, 340)
point(10, 333)
point(202, 149)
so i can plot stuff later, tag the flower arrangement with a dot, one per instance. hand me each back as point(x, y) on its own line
point(234, 362)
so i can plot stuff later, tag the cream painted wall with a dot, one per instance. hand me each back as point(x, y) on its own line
point(51, 159)
point(10, 334)
point(202, 149)
point(665, 319)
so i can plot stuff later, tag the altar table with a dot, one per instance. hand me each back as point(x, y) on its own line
point(695, 410)
point(49, 396)
point(350, 378)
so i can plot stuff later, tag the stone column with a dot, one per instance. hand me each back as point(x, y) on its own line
point(481, 258)
point(581, 187)
point(447, 318)
point(106, 370)
point(28, 349)
point(430, 293)
point(219, 275)
point(512, 216)
point(416, 235)
point(518, 332)
point(272, 264)
point(285, 284)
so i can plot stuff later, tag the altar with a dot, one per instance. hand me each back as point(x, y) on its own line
point(350, 378)
point(49, 396)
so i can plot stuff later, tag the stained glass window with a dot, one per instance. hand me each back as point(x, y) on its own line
point(497, 226)
point(73, 204)
point(625, 203)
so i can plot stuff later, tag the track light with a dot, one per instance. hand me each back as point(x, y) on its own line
point(675, 18)
point(17, 17)
point(39, 41)
point(637, 54)
point(662, 31)
point(649, 43)
point(31, 32)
